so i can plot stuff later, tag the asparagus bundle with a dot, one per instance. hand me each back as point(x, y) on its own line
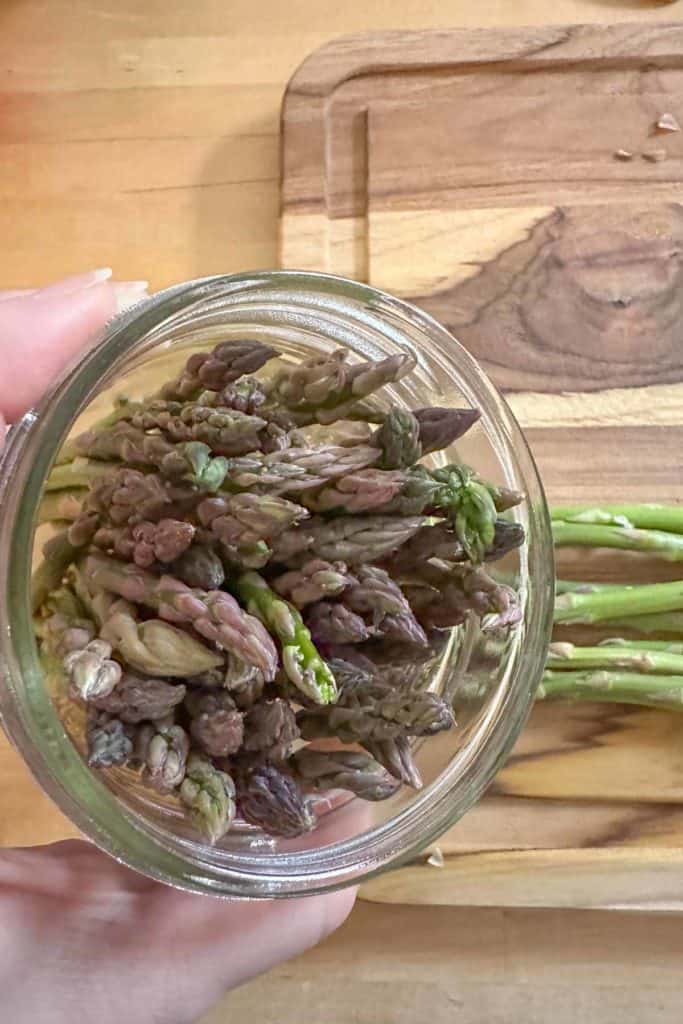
point(205, 675)
point(621, 670)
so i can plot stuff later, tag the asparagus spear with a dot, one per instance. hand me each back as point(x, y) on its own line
point(643, 645)
point(406, 436)
point(583, 587)
point(139, 698)
point(61, 505)
point(270, 799)
point(294, 470)
point(324, 389)
point(616, 604)
point(314, 581)
point(376, 712)
point(213, 613)
point(667, 518)
point(108, 741)
point(658, 691)
point(302, 662)
point(354, 540)
point(209, 796)
point(146, 542)
point(343, 769)
point(217, 369)
point(186, 460)
point(563, 656)
point(226, 431)
point(657, 543)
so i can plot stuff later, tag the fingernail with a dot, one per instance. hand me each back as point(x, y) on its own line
point(76, 283)
point(128, 293)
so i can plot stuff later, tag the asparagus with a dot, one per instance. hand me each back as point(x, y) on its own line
point(271, 729)
point(363, 491)
point(162, 749)
point(375, 595)
point(397, 757)
point(226, 431)
point(657, 543)
point(658, 622)
point(294, 470)
point(582, 587)
point(154, 647)
point(56, 506)
point(354, 540)
point(270, 799)
point(406, 436)
point(58, 554)
point(244, 395)
point(442, 597)
point(146, 542)
point(219, 733)
point(209, 796)
point(601, 605)
point(314, 581)
point(137, 698)
point(201, 567)
point(79, 473)
point(127, 495)
point(108, 741)
point(343, 769)
point(660, 662)
point(245, 524)
point(92, 671)
point(657, 691)
point(333, 623)
point(376, 712)
point(667, 518)
point(188, 460)
point(216, 370)
point(301, 661)
point(214, 614)
point(327, 388)
point(643, 645)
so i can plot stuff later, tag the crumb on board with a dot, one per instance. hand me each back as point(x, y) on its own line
point(667, 123)
point(654, 156)
point(435, 858)
point(623, 154)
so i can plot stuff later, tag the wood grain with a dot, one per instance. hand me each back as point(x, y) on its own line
point(475, 174)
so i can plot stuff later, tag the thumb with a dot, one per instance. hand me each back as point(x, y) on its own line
point(42, 331)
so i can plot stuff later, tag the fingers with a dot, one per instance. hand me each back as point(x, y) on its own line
point(42, 331)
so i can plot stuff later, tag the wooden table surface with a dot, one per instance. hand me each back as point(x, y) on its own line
point(144, 136)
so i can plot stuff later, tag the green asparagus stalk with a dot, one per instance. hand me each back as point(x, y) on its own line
point(668, 518)
point(630, 602)
point(61, 505)
point(58, 554)
point(300, 658)
point(657, 691)
point(583, 587)
point(566, 656)
point(657, 543)
point(672, 647)
point(81, 472)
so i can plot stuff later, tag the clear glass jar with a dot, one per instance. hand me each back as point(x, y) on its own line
point(492, 685)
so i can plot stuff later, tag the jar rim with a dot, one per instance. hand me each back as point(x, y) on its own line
point(32, 446)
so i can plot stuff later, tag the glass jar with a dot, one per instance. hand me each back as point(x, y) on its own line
point(492, 684)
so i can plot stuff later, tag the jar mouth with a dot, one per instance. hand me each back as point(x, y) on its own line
point(333, 312)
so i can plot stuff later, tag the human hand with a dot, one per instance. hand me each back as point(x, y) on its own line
point(80, 935)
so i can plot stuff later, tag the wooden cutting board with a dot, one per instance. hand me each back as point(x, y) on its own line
point(483, 176)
